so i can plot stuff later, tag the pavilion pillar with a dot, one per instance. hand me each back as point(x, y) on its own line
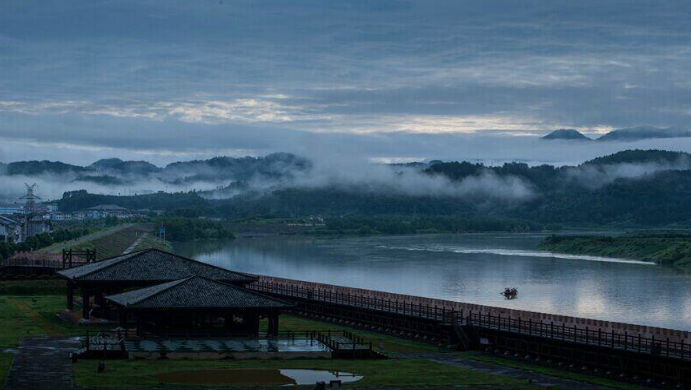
point(122, 317)
point(86, 304)
point(140, 325)
point(273, 324)
point(70, 296)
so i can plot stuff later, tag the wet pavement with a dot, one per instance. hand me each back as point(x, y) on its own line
point(43, 363)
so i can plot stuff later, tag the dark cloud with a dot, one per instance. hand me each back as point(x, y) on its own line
point(259, 76)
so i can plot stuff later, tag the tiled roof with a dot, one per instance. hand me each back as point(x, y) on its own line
point(151, 265)
point(195, 292)
point(7, 221)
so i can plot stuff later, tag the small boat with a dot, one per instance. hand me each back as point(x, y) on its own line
point(510, 293)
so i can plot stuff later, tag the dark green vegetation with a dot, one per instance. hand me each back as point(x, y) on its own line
point(81, 200)
point(441, 224)
point(628, 189)
point(114, 171)
point(43, 240)
point(666, 248)
point(189, 229)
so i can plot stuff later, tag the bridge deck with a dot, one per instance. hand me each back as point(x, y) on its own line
point(635, 343)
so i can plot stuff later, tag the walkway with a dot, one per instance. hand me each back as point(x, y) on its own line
point(536, 379)
point(135, 243)
point(43, 363)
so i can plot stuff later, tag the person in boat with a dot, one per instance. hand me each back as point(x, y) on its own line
point(510, 292)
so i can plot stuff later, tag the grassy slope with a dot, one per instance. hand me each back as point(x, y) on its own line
point(114, 241)
point(150, 241)
point(59, 246)
point(667, 250)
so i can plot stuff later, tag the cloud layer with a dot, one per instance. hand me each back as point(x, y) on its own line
point(180, 78)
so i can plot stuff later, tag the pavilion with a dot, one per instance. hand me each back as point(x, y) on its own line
point(197, 306)
point(137, 270)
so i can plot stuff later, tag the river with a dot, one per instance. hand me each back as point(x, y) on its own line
point(471, 268)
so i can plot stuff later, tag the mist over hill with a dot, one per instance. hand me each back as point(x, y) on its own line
point(630, 188)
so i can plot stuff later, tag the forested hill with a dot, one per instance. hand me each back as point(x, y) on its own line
point(632, 188)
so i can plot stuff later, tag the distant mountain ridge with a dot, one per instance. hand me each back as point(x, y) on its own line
point(626, 134)
point(114, 171)
point(566, 134)
point(644, 132)
point(636, 188)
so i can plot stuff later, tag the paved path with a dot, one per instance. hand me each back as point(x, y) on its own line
point(42, 363)
point(536, 379)
point(135, 243)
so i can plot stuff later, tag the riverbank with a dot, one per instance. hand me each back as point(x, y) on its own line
point(673, 249)
point(381, 226)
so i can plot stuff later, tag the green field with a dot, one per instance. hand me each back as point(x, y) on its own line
point(391, 372)
point(667, 249)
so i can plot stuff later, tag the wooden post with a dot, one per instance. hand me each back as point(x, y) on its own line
point(123, 318)
point(86, 305)
point(70, 296)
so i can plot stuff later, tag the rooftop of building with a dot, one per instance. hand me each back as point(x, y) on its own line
point(151, 265)
point(196, 292)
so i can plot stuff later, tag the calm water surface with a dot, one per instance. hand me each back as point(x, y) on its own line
point(469, 268)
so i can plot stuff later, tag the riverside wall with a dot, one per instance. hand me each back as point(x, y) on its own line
point(591, 324)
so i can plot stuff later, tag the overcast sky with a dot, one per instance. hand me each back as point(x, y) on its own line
point(175, 80)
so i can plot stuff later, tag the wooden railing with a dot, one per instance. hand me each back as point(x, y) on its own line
point(577, 333)
point(353, 342)
point(595, 337)
point(373, 303)
point(111, 340)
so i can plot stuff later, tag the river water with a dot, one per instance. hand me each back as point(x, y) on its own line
point(471, 268)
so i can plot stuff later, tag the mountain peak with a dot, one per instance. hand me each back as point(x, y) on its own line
point(644, 132)
point(566, 134)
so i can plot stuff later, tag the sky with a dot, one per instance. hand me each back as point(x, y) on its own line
point(386, 80)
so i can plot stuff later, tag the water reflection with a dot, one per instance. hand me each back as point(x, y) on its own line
point(255, 377)
point(469, 268)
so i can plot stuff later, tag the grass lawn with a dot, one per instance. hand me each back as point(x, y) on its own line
point(14, 324)
point(129, 373)
point(549, 371)
point(33, 287)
